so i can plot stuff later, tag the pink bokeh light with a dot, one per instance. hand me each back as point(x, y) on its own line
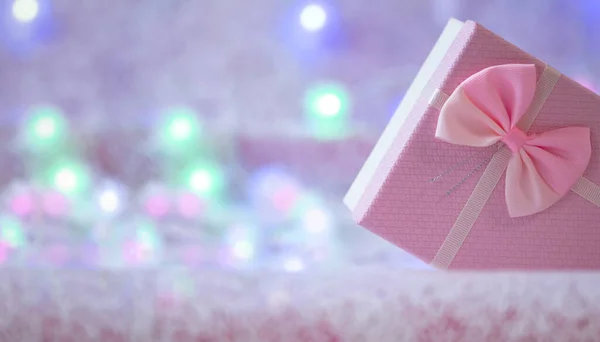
point(157, 206)
point(285, 197)
point(55, 204)
point(136, 252)
point(189, 205)
point(22, 204)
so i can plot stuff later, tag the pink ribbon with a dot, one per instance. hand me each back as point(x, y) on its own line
point(487, 108)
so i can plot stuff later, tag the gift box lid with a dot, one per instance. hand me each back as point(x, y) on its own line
point(413, 186)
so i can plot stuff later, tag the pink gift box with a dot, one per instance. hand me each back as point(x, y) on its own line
point(413, 187)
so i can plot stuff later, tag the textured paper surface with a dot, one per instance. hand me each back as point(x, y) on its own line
point(403, 206)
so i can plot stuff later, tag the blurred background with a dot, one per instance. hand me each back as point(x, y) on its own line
point(221, 134)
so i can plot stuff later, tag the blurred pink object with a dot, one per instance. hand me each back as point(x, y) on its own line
point(431, 198)
point(381, 305)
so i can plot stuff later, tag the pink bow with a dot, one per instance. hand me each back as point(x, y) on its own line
point(486, 108)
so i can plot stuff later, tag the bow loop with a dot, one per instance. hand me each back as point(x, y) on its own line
point(487, 107)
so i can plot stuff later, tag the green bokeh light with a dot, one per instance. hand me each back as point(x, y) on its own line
point(45, 127)
point(327, 101)
point(204, 180)
point(147, 236)
point(11, 232)
point(327, 109)
point(69, 178)
point(181, 129)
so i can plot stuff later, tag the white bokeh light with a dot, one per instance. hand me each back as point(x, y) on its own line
point(109, 201)
point(25, 10)
point(293, 265)
point(313, 17)
point(201, 181)
point(316, 220)
point(243, 250)
point(329, 105)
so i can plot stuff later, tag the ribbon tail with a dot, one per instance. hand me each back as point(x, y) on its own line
point(587, 189)
point(474, 206)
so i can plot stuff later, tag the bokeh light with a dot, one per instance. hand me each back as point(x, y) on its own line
point(109, 201)
point(313, 17)
point(156, 200)
point(327, 101)
point(327, 109)
point(45, 128)
point(157, 206)
point(55, 204)
point(22, 204)
point(293, 264)
point(25, 11)
point(145, 245)
point(189, 205)
point(274, 191)
point(205, 179)
point(21, 200)
point(243, 249)
point(317, 220)
point(11, 232)
point(147, 236)
point(242, 241)
point(111, 198)
point(181, 131)
point(69, 178)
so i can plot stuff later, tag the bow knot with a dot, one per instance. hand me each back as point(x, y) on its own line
point(515, 139)
point(487, 107)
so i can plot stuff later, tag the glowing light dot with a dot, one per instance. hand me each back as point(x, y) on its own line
point(65, 180)
point(157, 206)
point(293, 265)
point(201, 181)
point(55, 204)
point(11, 232)
point(313, 17)
point(109, 201)
point(189, 205)
point(22, 205)
point(327, 101)
point(180, 129)
point(45, 128)
point(25, 10)
point(329, 105)
point(243, 250)
point(147, 238)
point(316, 221)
